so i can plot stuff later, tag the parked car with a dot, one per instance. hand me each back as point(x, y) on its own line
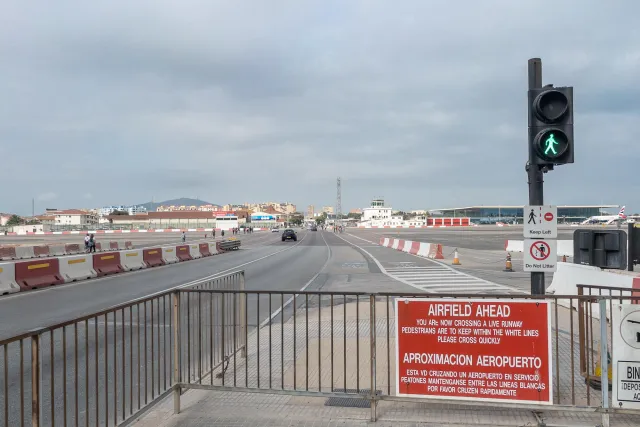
point(289, 234)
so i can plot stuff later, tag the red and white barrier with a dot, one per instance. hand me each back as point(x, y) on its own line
point(565, 247)
point(426, 250)
point(77, 267)
point(22, 275)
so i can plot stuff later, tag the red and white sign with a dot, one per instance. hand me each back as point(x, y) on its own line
point(548, 216)
point(474, 349)
point(540, 250)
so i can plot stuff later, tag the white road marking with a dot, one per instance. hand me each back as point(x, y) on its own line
point(439, 278)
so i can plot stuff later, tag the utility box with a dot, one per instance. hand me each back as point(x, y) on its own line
point(600, 248)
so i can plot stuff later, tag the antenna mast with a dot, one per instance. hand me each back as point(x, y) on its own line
point(338, 202)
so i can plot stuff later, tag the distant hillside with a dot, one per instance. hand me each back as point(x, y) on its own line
point(184, 201)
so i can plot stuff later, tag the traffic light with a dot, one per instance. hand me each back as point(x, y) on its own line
point(551, 125)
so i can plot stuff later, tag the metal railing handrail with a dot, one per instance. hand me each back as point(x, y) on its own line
point(195, 337)
point(142, 300)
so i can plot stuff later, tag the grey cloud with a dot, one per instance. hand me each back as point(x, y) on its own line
point(127, 100)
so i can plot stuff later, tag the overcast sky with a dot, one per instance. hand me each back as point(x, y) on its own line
point(421, 102)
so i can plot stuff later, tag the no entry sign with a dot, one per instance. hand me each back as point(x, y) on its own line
point(475, 349)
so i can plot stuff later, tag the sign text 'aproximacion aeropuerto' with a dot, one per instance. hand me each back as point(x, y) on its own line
point(474, 349)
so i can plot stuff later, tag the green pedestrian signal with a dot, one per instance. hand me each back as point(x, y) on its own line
point(551, 143)
point(551, 126)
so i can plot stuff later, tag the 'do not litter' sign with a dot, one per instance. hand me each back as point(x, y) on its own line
point(540, 255)
point(477, 349)
point(540, 222)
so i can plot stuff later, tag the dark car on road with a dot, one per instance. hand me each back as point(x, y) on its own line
point(314, 228)
point(289, 234)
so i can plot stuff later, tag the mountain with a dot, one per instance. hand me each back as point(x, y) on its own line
point(183, 201)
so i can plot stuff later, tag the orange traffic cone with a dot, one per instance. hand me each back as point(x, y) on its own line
point(456, 260)
point(509, 266)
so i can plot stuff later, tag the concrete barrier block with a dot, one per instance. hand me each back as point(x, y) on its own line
point(24, 252)
point(8, 284)
point(132, 260)
point(169, 254)
point(194, 251)
point(77, 267)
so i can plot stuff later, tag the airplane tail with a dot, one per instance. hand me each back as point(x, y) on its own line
point(621, 213)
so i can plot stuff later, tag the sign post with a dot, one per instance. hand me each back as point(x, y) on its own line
point(540, 231)
point(476, 349)
point(625, 342)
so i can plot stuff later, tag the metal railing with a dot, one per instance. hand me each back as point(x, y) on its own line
point(589, 335)
point(112, 366)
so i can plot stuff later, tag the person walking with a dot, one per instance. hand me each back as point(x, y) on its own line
point(92, 243)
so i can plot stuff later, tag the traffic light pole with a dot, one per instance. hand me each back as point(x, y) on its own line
point(535, 174)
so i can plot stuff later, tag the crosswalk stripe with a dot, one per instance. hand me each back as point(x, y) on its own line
point(440, 278)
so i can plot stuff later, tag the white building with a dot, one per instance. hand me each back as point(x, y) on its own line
point(132, 210)
point(376, 212)
point(73, 217)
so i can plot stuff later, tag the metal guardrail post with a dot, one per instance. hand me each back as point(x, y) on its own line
point(35, 380)
point(176, 352)
point(372, 359)
point(604, 363)
point(581, 332)
point(243, 317)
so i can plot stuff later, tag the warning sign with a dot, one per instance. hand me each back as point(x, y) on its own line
point(625, 340)
point(540, 255)
point(475, 349)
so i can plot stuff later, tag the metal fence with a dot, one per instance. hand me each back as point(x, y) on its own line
point(112, 366)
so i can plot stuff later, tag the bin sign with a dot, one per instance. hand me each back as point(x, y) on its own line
point(474, 349)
